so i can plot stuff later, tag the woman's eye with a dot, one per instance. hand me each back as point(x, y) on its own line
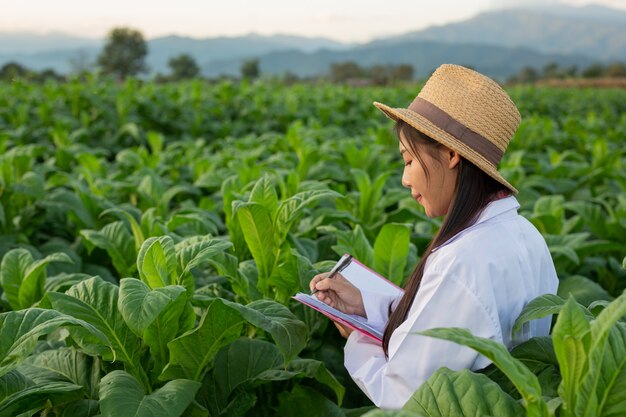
point(407, 163)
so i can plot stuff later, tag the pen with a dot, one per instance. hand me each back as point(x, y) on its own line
point(339, 266)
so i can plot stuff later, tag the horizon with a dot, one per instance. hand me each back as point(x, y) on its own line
point(331, 21)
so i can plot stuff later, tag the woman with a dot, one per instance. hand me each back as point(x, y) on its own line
point(485, 263)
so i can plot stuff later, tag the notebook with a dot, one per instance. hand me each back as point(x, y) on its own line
point(363, 278)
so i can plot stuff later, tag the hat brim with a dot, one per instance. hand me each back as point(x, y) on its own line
point(426, 127)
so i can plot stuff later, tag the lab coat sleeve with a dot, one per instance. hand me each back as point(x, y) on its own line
point(377, 307)
point(442, 301)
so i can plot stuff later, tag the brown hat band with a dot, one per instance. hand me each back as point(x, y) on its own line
point(445, 122)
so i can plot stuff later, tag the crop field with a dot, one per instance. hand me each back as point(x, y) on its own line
point(151, 238)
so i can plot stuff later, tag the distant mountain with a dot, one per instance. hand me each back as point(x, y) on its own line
point(499, 43)
point(595, 31)
point(424, 56)
point(31, 43)
point(61, 49)
point(226, 48)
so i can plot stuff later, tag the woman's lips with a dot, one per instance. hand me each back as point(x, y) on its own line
point(418, 197)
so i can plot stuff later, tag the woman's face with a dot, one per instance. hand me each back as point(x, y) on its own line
point(434, 192)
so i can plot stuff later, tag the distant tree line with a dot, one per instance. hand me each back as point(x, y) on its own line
point(553, 71)
point(125, 51)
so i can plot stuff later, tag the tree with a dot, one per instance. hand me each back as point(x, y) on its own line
point(124, 54)
point(527, 75)
point(551, 70)
point(12, 70)
point(343, 71)
point(593, 71)
point(250, 69)
point(402, 72)
point(616, 69)
point(183, 66)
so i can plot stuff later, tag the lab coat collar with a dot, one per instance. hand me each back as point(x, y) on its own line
point(494, 209)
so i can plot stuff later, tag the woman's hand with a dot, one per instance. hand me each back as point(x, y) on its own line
point(338, 293)
point(343, 330)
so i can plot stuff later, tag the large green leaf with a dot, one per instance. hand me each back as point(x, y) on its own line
point(264, 193)
point(122, 395)
point(306, 402)
point(96, 302)
point(193, 252)
point(391, 250)
point(191, 354)
point(537, 354)
point(258, 231)
point(603, 388)
point(571, 337)
point(462, 394)
point(289, 333)
point(304, 368)
point(23, 278)
point(293, 208)
point(64, 365)
point(154, 315)
point(356, 244)
point(241, 362)
point(20, 330)
point(35, 397)
point(134, 225)
point(539, 307)
point(156, 262)
point(81, 408)
point(140, 306)
point(119, 244)
point(524, 380)
point(584, 290)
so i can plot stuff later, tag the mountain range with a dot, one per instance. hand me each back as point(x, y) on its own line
point(498, 43)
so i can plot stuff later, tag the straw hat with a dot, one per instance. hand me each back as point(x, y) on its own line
point(465, 111)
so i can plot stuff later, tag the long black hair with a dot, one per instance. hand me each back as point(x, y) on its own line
point(474, 189)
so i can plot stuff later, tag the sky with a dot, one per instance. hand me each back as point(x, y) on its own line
point(344, 20)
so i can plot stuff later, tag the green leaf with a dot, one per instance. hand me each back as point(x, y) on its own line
point(134, 226)
point(23, 278)
point(291, 209)
point(264, 193)
point(571, 337)
point(20, 330)
point(299, 403)
point(192, 354)
point(524, 380)
point(242, 362)
point(95, 301)
point(391, 250)
point(118, 242)
point(458, 394)
point(356, 244)
point(81, 408)
point(289, 333)
point(64, 365)
point(603, 389)
point(156, 262)
point(36, 397)
point(537, 308)
point(194, 252)
point(122, 395)
point(584, 290)
point(307, 368)
point(391, 413)
point(141, 306)
point(258, 232)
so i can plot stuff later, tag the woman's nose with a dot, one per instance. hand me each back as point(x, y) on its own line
point(405, 182)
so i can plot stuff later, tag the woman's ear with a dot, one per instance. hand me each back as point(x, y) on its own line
point(453, 159)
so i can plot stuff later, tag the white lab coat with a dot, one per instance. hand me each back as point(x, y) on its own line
point(479, 280)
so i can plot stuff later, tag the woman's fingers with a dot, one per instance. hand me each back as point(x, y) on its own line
point(317, 278)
